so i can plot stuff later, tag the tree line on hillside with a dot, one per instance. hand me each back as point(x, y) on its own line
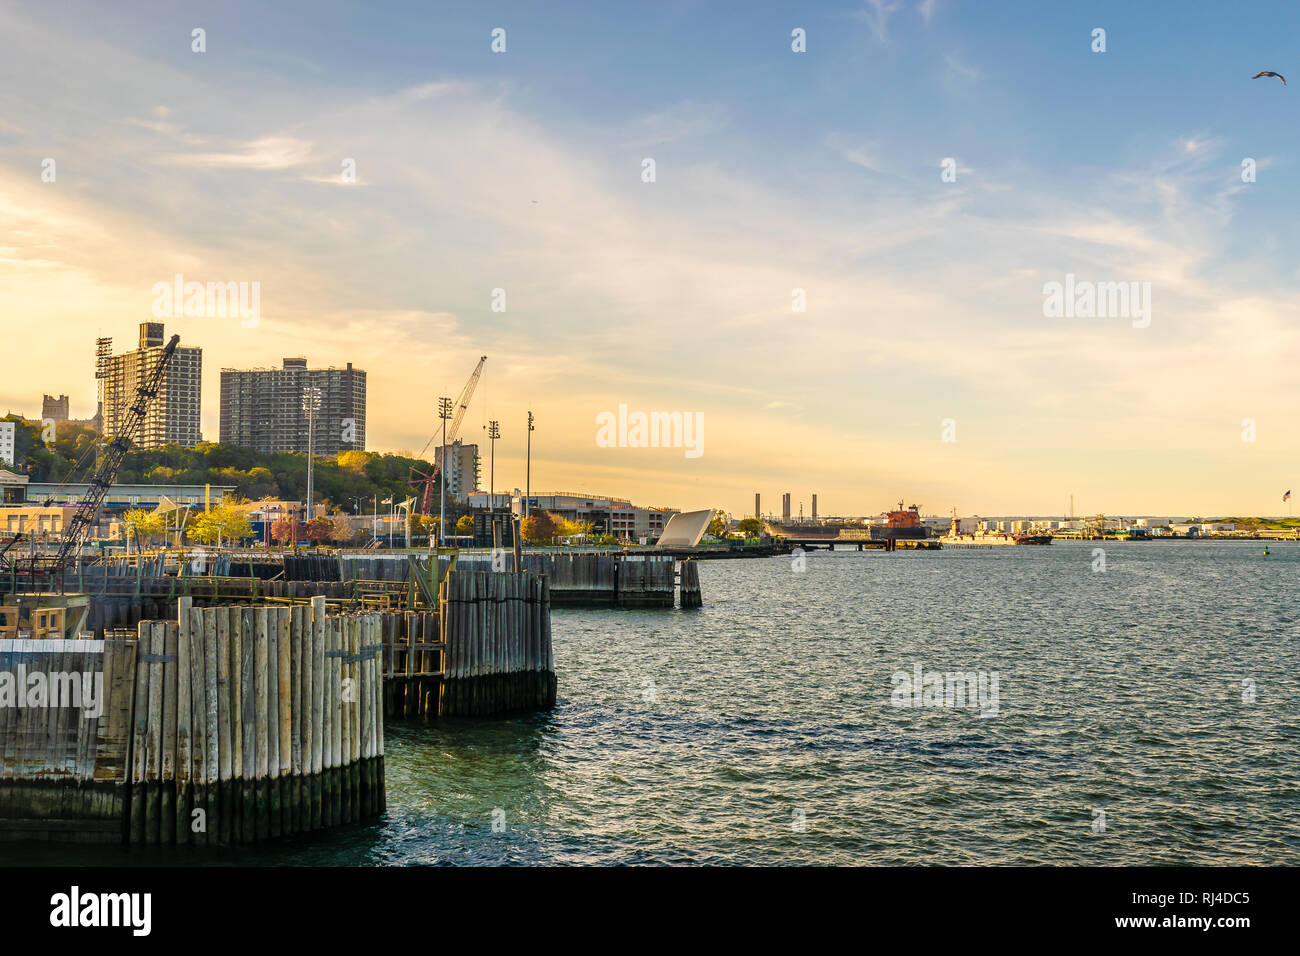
point(337, 480)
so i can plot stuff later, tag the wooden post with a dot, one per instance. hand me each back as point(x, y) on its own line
point(184, 718)
point(247, 817)
point(317, 710)
point(299, 614)
point(282, 691)
point(227, 696)
point(153, 762)
point(261, 676)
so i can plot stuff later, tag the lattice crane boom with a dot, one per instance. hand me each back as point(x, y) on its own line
point(428, 480)
point(110, 462)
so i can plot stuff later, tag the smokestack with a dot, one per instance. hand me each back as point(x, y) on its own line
point(814, 506)
point(785, 506)
point(758, 505)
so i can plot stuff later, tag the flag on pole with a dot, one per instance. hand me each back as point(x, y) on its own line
point(387, 501)
point(1287, 495)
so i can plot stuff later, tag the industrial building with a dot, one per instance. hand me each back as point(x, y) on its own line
point(461, 470)
point(16, 489)
point(263, 409)
point(34, 519)
point(173, 416)
point(606, 515)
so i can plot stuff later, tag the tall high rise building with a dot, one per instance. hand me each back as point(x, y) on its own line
point(461, 468)
point(263, 408)
point(173, 416)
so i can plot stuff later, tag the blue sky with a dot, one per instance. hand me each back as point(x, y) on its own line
point(775, 171)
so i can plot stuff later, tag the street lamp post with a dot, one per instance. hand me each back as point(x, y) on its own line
point(444, 412)
point(310, 405)
point(494, 432)
point(528, 467)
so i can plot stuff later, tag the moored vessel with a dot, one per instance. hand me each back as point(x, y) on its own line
point(982, 538)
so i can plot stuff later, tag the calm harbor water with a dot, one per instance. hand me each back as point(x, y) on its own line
point(1159, 697)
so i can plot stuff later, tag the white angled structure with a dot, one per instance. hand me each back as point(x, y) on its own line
point(685, 530)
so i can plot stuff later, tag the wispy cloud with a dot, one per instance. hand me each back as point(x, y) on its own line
point(268, 152)
point(959, 69)
point(876, 16)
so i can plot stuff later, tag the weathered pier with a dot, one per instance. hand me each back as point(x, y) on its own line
point(575, 579)
point(382, 580)
point(239, 723)
point(487, 650)
point(228, 725)
point(829, 543)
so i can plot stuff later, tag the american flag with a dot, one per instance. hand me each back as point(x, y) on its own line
point(389, 501)
point(1286, 496)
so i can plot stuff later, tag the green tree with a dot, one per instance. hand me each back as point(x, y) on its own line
point(720, 523)
point(143, 525)
point(225, 522)
point(750, 527)
point(425, 524)
point(465, 525)
point(569, 529)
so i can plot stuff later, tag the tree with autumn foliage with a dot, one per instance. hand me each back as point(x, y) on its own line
point(286, 531)
point(539, 528)
point(342, 531)
point(319, 530)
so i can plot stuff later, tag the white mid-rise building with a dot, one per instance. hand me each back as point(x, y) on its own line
point(7, 454)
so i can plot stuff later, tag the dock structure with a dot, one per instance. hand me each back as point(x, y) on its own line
point(808, 543)
point(228, 725)
point(239, 723)
point(62, 768)
point(122, 595)
point(486, 651)
point(690, 585)
point(575, 579)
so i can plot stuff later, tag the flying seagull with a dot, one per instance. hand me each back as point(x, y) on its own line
point(1269, 73)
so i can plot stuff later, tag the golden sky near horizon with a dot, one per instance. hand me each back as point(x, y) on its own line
point(924, 302)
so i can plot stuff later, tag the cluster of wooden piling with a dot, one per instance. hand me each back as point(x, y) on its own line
point(233, 724)
point(412, 658)
point(253, 723)
point(61, 766)
point(496, 632)
point(690, 585)
point(591, 579)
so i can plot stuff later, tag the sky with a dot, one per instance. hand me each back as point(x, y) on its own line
point(922, 171)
